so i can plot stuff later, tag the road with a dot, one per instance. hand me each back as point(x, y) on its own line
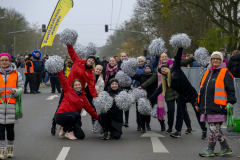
point(33, 140)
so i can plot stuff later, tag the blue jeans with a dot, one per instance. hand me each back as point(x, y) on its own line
point(46, 79)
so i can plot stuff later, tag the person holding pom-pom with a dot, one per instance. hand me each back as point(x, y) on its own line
point(111, 121)
point(67, 114)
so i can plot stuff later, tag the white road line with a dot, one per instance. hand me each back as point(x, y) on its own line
point(84, 113)
point(158, 147)
point(51, 97)
point(63, 153)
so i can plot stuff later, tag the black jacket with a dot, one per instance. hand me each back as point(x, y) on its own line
point(28, 65)
point(179, 81)
point(143, 78)
point(119, 63)
point(234, 65)
point(207, 105)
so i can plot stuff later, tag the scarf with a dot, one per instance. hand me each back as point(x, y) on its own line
point(160, 101)
point(110, 71)
point(7, 70)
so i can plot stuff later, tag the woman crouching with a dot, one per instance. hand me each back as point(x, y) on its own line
point(67, 114)
point(112, 120)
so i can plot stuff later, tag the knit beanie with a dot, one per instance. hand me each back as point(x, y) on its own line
point(149, 66)
point(214, 54)
point(6, 54)
point(160, 67)
point(91, 56)
point(30, 55)
point(148, 58)
point(141, 58)
point(114, 80)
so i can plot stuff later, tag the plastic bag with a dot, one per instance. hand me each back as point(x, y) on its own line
point(230, 124)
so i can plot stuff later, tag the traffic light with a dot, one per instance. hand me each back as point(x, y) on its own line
point(106, 28)
point(43, 28)
point(145, 53)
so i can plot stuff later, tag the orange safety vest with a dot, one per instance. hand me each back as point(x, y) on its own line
point(31, 68)
point(7, 87)
point(220, 95)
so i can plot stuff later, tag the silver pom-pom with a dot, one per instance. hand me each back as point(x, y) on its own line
point(180, 40)
point(91, 49)
point(157, 47)
point(54, 64)
point(138, 93)
point(201, 56)
point(154, 111)
point(97, 127)
point(144, 106)
point(124, 79)
point(123, 101)
point(69, 37)
point(103, 102)
point(130, 66)
point(80, 50)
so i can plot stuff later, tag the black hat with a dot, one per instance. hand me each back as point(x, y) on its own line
point(91, 56)
point(114, 80)
point(29, 55)
point(149, 66)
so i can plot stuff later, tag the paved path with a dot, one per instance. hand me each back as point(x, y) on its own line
point(34, 141)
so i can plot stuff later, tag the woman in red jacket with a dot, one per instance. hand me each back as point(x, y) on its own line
point(67, 114)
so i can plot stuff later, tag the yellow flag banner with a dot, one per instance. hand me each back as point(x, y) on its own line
point(59, 13)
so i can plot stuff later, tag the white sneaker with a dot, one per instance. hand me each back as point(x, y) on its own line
point(70, 135)
point(61, 132)
point(10, 151)
point(2, 152)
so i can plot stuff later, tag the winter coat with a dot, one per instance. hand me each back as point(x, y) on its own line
point(72, 102)
point(170, 94)
point(38, 64)
point(99, 86)
point(29, 64)
point(179, 81)
point(53, 75)
point(8, 115)
point(234, 66)
point(81, 71)
point(195, 64)
point(21, 64)
point(207, 105)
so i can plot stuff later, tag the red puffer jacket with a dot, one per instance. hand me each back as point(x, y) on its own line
point(79, 71)
point(71, 101)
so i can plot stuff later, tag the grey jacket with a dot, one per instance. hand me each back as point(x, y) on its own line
point(8, 115)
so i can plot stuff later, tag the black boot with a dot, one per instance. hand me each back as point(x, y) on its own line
point(163, 128)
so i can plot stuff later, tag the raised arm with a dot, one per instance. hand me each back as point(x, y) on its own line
point(72, 54)
point(151, 80)
point(178, 57)
point(63, 81)
point(155, 61)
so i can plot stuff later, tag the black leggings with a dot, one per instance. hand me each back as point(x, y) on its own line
point(10, 131)
point(171, 111)
point(70, 121)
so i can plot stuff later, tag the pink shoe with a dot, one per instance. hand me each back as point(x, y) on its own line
point(61, 132)
point(70, 135)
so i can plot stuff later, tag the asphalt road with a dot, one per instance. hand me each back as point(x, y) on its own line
point(33, 140)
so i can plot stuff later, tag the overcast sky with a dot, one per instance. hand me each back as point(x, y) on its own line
point(87, 17)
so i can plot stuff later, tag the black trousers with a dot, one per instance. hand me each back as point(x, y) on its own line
point(105, 121)
point(28, 80)
point(181, 108)
point(138, 118)
point(171, 111)
point(145, 120)
point(126, 113)
point(71, 121)
point(55, 83)
point(10, 131)
point(36, 80)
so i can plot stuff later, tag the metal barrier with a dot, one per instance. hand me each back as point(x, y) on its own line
point(194, 76)
point(21, 70)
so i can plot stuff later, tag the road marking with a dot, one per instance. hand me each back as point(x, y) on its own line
point(223, 126)
point(84, 113)
point(158, 147)
point(63, 153)
point(51, 97)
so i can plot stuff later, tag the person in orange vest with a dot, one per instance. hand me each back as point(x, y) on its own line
point(216, 91)
point(29, 70)
point(11, 84)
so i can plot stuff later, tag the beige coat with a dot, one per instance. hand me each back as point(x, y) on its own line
point(8, 114)
point(99, 86)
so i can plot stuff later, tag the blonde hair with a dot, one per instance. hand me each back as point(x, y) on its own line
point(125, 53)
point(164, 85)
point(236, 52)
point(98, 66)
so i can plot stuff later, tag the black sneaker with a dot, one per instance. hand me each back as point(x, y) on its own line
point(188, 131)
point(126, 125)
point(26, 92)
point(204, 135)
point(176, 135)
point(38, 92)
point(105, 136)
point(143, 130)
point(149, 128)
point(163, 128)
point(53, 129)
point(138, 128)
point(33, 92)
point(168, 131)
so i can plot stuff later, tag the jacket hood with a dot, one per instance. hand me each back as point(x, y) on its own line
point(235, 58)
